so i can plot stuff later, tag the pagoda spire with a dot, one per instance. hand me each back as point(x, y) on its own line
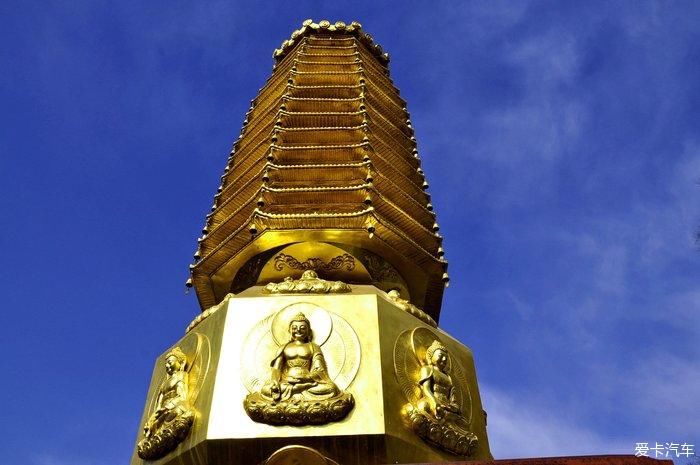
point(320, 274)
point(326, 156)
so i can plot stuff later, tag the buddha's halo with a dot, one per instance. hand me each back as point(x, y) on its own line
point(321, 323)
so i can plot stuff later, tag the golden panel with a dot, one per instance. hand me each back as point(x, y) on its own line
point(297, 387)
point(250, 344)
point(172, 415)
point(206, 313)
point(408, 307)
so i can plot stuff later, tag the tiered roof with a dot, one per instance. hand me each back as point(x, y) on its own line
point(326, 153)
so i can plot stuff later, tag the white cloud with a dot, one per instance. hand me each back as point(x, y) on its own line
point(518, 427)
point(48, 459)
point(665, 387)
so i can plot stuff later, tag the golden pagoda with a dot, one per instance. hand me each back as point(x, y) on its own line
point(320, 275)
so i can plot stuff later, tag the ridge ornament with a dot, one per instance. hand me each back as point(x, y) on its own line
point(309, 283)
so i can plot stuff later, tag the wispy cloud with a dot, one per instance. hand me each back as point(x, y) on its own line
point(48, 459)
point(666, 387)
point(524, 427)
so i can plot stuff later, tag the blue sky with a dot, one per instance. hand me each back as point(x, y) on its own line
point(561, 141)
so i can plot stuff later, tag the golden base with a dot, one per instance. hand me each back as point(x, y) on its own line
point(372, 352)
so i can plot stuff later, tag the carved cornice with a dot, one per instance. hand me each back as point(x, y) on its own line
point(207, 313)
point(408, 307)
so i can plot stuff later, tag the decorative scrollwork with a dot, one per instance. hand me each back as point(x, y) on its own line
point(380, 269)
point(346, 261)
point(309, 283)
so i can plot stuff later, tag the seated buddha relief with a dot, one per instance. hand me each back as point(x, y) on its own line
point(438, 400)
point(299, 390)
point(172, 415)
point(437, 417)
point(439, 406)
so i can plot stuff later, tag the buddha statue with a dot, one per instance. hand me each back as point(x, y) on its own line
point(299, 390)
point(436, 416)
point(299, 368)
point(172, 415)
point(436, 384)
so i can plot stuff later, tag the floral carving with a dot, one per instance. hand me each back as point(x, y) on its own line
point(346, 261)
point(309, 283)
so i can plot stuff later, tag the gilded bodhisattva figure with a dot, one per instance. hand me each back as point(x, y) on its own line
point(172, 416)
point(436, 384)
point(299, 390)
point(437, 417)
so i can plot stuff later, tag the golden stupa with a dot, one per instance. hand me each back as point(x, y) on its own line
point(320, 274)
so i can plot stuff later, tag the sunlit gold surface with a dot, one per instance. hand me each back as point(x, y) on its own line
point(326, 155)
point(408, 307)
point(437, 402)
point(309, 283)
point(299, 389)
point(172, 415)
point(201, 350)
point(359, 338)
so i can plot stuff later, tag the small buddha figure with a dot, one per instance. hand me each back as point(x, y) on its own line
point(299, 368)
point(436, 416)
point(436, 384)
point(172, 415)
point(299, 390)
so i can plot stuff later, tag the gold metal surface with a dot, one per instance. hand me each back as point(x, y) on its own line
point(206, 313)
point(309, 27)
point(408, 307)
point(309, 283)
point(298, 455)
point(436, 405)
point(359, 335)
point(299, 390)
point(174, 394)
point(172, 416)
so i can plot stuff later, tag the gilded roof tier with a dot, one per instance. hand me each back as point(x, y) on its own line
point(326, 155)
